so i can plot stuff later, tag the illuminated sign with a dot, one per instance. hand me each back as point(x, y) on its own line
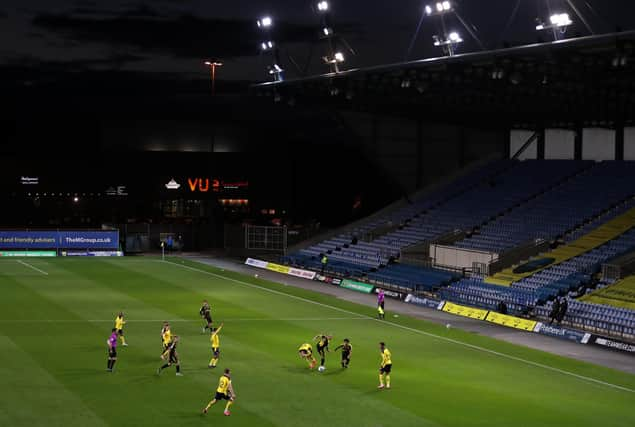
point(29, 180)
point(172, 185)
point(205, 185)
point(119, 190)
point(201, 185)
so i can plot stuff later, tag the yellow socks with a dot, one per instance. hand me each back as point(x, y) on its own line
point(229, 403)
point(381, 379)
point(387, 380)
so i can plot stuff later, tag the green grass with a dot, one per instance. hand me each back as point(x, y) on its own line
point(53, 329)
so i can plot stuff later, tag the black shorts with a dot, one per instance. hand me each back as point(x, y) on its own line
point(174, 358)
point(346, 355)
point(208, 318)
point(386, 369)
point(112, 352)
point(222, 396)
point(120, 332)
point(305, 353)
point(381, 304)
point(216, 351)
point(321, 349)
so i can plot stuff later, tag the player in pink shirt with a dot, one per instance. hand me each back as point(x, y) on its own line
point(112, 349)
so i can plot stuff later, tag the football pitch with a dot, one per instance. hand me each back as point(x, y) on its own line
point(57, 314)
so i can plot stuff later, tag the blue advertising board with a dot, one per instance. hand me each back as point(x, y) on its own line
point(564, 333)
point(59, 239)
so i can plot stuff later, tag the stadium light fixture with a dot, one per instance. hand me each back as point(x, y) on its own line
point(439, 8)
point(327, 31)
point(448, 44)
point(266, 45)
point(452, 39)
point(212, 66)
point(323, 6)
point(339, 56)
point(557, 20)
point(265, 22)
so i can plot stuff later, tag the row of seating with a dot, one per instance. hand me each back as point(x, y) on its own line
point(555, 212)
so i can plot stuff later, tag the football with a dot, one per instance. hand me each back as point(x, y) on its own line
point(321, 369)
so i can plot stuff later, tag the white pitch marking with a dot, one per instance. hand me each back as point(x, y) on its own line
point(26, 264)
point(417, 331)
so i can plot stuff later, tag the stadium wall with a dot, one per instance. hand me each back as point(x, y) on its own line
point(415, 153)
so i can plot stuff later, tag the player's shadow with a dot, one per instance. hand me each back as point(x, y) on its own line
point(299, 369)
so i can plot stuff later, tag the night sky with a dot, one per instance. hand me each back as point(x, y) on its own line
point(173, 37)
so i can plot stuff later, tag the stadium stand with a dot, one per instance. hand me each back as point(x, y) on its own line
point(614, 226)
point(562, 279)
point(464, 204)
point(589, 206)
point(559, 211)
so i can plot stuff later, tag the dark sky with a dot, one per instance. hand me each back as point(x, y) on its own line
point(175, 36)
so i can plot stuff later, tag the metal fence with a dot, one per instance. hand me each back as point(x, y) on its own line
point(266, 238)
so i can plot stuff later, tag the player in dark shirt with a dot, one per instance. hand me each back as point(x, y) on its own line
point(347, 349)
point(206, 313)
point(172, 356)
point(322, 346)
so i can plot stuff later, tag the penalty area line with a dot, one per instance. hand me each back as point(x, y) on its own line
point(407, 328)
point(26, 264)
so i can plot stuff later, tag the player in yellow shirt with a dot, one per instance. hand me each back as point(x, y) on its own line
point(166, 338)
point(119, 322)
point(306, 353)
point(225, 391)
point(385, 367)
point(215, 340)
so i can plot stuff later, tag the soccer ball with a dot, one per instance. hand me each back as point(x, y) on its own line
point(448, 326)
point(256, 276)
point(321, 369)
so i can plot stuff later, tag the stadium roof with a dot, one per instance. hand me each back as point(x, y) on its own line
point(580, 81)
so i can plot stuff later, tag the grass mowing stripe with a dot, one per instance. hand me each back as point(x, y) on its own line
point(52, 396)
point(417, 331)
point(26, 264)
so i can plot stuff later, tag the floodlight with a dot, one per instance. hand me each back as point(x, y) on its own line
point(323, 6)
point(557, 20)
point(327, 31)
point(560, 20)
point(339, 56)
point(452, 38)
point(265, 22)
point(266, 45)
point(439, 8)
